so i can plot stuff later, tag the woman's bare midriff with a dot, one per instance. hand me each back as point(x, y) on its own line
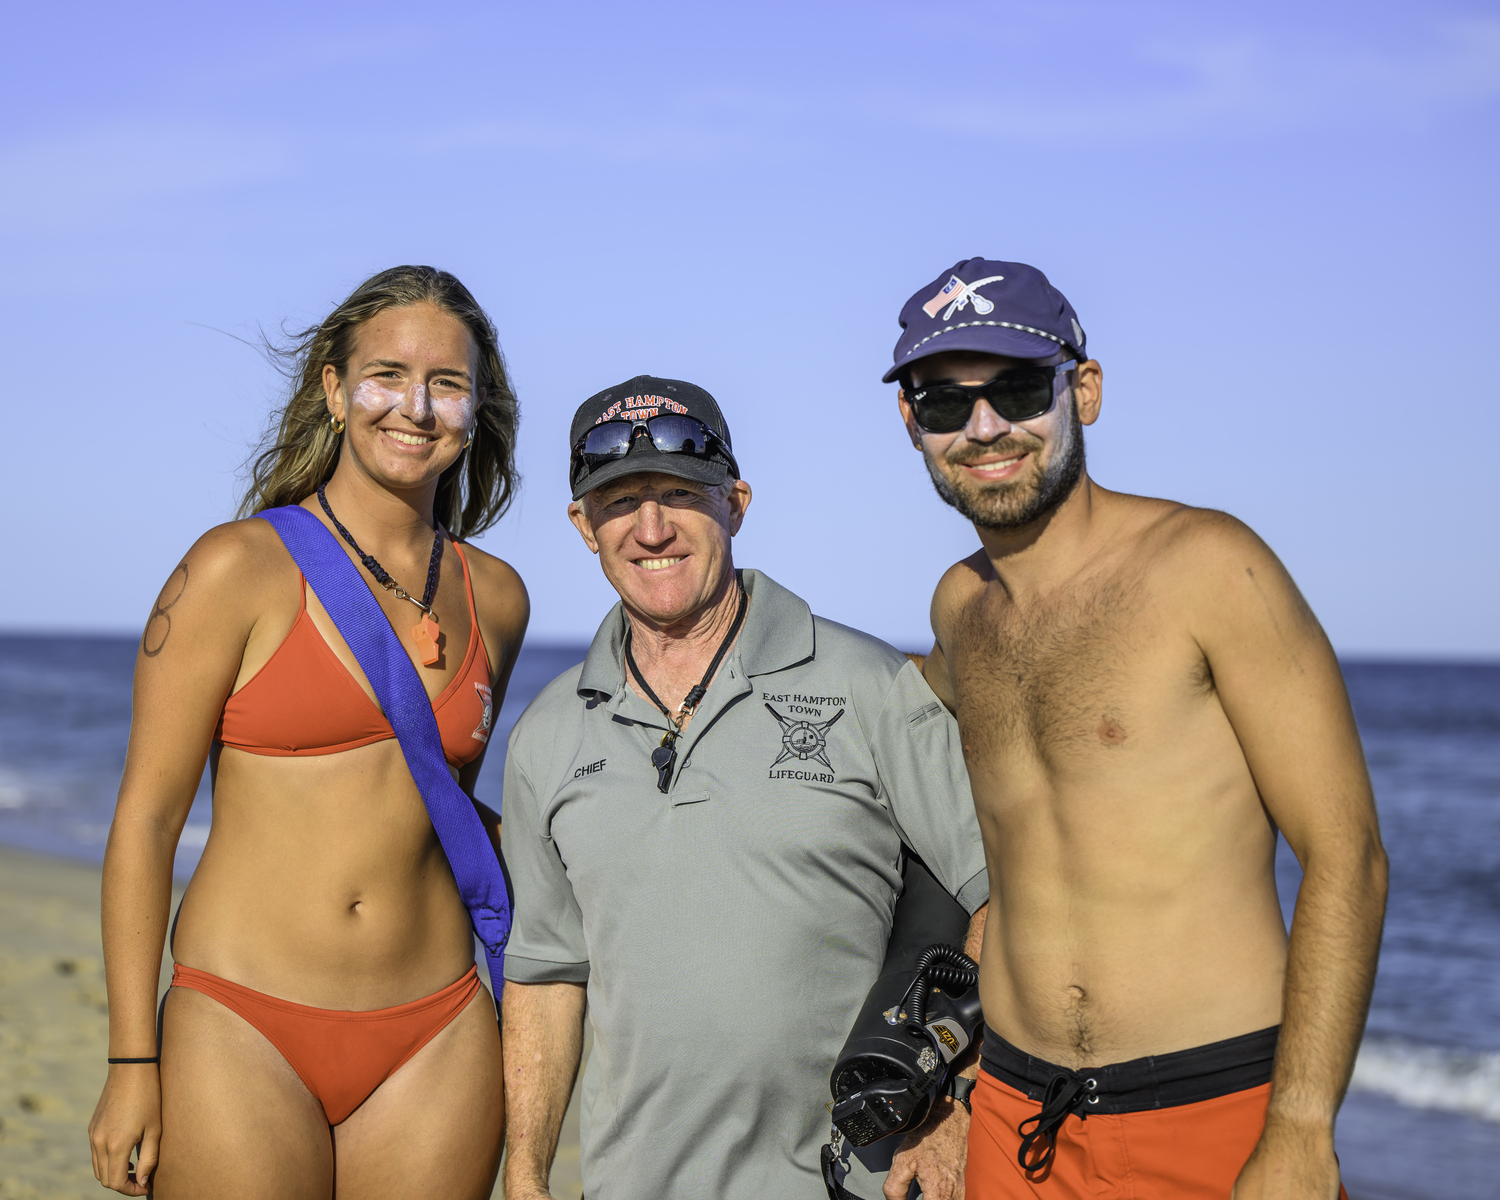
point(323, 883)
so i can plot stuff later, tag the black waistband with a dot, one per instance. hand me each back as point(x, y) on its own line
point(1160, 1081)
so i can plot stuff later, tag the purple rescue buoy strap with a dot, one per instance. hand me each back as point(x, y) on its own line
point(359, 618)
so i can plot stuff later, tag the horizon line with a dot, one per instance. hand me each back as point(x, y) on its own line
point(1395, 657)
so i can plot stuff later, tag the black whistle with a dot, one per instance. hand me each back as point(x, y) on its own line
point(664, 758)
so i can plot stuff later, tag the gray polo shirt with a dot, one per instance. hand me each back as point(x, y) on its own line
point(729, 929)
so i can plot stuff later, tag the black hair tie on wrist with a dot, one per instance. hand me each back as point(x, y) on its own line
point(153, 1059)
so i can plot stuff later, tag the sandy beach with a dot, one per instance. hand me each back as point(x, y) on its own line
point(54, 1026)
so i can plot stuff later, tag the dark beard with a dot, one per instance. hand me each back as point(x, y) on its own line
point(1009, 507)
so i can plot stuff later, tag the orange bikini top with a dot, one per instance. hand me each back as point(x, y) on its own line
point(305, 702)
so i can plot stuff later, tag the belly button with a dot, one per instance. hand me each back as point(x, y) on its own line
point(356, 906)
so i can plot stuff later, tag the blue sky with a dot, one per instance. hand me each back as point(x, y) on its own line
point(1275, 221)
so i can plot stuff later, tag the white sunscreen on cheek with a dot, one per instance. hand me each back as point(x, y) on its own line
point(376, 400)
point(455, 412)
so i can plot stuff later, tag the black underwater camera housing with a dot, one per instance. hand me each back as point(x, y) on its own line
point(921, 1014)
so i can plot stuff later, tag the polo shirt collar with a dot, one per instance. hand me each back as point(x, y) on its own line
point(778, 629)
point(778, 633)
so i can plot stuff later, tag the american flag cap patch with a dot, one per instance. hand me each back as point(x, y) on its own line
point(952, 290)
point(987, 306)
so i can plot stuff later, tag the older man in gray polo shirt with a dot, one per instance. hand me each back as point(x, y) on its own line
point(704, 826)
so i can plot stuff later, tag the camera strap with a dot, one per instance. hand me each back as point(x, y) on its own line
point(830, 1157)
point(363, 625)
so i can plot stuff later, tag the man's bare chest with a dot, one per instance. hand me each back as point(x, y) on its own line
point(1095, 673)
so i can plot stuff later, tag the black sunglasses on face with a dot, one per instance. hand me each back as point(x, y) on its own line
point(670, 433)
point(1019, 395)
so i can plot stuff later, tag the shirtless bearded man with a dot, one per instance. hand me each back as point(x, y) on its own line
point(1145, 701)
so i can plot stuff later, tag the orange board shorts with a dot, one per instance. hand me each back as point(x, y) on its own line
point(1150, 1129)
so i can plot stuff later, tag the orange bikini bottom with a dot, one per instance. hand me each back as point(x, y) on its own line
point(341, 1056)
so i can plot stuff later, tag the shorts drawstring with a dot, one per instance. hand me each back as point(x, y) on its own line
point(1066, 1093)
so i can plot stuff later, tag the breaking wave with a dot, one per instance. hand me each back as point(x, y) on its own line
point(1419, 1076)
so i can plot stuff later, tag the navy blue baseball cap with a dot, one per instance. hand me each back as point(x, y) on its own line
point(987, 307)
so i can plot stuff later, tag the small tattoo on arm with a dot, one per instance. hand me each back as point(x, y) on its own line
point(159, 623)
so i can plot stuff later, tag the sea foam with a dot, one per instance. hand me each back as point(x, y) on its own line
point(1430, 1076)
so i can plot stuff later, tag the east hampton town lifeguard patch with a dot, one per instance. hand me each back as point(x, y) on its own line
point(803, 742)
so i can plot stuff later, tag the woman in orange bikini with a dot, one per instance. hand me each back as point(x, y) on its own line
point(326, 1033)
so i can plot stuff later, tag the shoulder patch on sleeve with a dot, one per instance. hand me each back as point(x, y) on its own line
point(924, 714)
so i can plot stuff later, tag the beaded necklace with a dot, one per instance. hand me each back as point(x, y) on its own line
point(425, 631)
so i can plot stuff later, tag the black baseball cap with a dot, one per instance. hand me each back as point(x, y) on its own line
point(640, 399)
point(989, 307)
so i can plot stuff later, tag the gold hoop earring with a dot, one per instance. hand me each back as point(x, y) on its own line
point(334, 423)
point(470, 442)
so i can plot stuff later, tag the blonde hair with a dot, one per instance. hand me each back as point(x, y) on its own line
point(300, 449)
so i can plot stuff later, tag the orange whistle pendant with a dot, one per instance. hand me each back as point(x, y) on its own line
point(425, 634)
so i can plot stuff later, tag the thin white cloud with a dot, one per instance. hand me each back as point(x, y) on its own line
point(1252, 83)
point(1159, 87)
point(1118, 83)
point(1125, 82)
point(1179, 86)
point(103, 173)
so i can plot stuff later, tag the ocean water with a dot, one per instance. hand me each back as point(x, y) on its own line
point(1423, 1116)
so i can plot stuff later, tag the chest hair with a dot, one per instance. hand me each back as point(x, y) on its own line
point(1052, 676)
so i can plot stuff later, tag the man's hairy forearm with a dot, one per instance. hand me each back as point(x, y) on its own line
point(967, 1063)
point(934, 1152)
point(1331, 960)
point(542, 1031)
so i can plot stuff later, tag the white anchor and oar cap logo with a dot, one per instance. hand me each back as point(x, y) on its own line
point(958, 295)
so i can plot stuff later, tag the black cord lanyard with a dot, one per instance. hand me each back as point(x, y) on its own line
point(664, 757)
point(425, 632)
point(381, 576)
